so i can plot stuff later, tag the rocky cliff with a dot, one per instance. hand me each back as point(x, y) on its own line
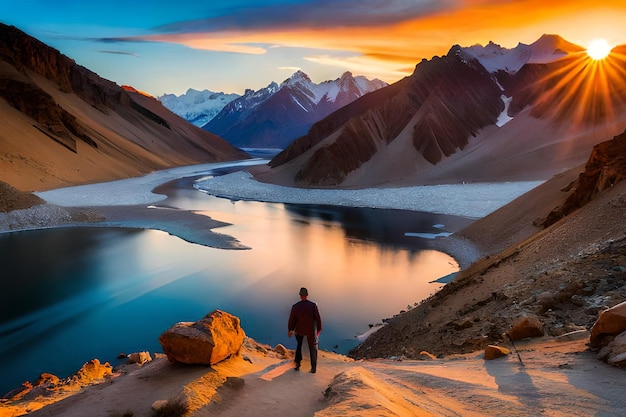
point(605, 168)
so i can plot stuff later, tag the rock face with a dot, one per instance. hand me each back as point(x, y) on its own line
point(605, 168)
point(205, 342)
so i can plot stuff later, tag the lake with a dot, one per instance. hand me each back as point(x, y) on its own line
point(76, 293)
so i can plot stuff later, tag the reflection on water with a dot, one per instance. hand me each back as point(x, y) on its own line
point(73, 294)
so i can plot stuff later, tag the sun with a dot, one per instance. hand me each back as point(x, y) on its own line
point(598, 49)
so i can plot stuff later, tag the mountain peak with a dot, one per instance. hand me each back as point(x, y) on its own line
point(549, 48)
point(297, 77)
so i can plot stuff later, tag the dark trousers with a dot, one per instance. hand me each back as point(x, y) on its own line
point(312, 342)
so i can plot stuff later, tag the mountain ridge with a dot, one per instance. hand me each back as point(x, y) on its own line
point(447, 122)
point(272, 117)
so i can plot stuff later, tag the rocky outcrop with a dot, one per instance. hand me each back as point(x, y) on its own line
point(46, 385)
point(207, 341)
point(91, 372)
point(605, 168)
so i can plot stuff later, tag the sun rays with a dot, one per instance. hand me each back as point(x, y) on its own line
point(586, 88)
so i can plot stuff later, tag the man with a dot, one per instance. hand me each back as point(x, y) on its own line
point(305, 320)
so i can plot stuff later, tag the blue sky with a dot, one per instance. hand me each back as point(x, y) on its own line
point(164, 46)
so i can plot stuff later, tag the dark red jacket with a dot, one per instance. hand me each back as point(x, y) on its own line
point(304, 318)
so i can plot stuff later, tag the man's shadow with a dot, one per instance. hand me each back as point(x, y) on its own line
point(512, 379)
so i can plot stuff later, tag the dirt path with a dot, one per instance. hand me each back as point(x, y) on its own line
point(279, 390)
point(556, 379)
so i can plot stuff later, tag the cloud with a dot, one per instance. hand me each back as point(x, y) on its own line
point(119, 53)
point(293, 69)
point(311, 14)
point(363, 65)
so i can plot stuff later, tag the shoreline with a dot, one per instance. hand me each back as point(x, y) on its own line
point(132, 203)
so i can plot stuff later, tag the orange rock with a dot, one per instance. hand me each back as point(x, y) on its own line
point(494, 352)
point(92, 371)
point(208, 341)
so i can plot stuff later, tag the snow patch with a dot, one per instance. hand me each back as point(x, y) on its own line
point(197, 107)
point(504, 117)
point(468, 200)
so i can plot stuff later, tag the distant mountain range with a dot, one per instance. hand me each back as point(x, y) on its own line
point(480, 113)
point(63, 125)
point(274, 116)
point(197, 107)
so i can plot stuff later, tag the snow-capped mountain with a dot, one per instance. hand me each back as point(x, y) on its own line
point(475, 114)
point(494, 58)
point(276, 115)
point(197, 107)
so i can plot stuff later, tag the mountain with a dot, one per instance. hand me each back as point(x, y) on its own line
point(274, 116)
point(475, 114)
point(62, 124)
point(197, 107)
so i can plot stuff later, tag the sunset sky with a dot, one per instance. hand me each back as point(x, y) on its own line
point(165, 46)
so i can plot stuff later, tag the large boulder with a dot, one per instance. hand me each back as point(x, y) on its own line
point(207, 341)
point(611, 322)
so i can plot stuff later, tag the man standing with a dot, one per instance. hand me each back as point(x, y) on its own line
point(305, 320)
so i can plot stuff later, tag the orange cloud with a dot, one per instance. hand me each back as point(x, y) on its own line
point(392, 50)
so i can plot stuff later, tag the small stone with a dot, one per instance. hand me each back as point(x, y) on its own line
point(281, 350)
point(494, 352)
point(140, 358)
point(159, 405)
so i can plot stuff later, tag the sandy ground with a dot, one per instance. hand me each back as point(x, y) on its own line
point(554, 378)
